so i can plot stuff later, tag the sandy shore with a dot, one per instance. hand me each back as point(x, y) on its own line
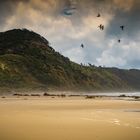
point(43, 118)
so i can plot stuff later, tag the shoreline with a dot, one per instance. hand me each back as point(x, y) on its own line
point(65, 95)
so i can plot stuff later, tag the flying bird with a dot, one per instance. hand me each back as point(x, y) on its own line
point(101, 27)
point(98, 15)
point(82, 45)
point(122, 27)
point(119, 40)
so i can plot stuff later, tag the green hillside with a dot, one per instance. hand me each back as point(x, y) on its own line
point(28, 62)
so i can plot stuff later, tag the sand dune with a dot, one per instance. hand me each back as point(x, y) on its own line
point(69, 119)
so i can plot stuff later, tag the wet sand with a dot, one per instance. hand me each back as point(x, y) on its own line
point(44, 118)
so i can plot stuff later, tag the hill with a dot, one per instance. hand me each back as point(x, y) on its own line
point(27, 61)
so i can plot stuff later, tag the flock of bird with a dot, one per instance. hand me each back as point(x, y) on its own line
point(101, 27)
point(70, 10)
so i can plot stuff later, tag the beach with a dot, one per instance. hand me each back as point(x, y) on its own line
point(69, 118)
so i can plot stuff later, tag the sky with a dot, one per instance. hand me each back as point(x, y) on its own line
point(67, 24)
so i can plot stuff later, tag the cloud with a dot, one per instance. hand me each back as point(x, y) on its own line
point(125, 5)
point(67, 33)
point(128, 17)
point(76, 53)
point(125, 55)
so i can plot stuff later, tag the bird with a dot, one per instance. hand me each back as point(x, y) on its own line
point(122, 27)
point(119, 40)
point(98, 15)
point(82, 45)
point(101, 27)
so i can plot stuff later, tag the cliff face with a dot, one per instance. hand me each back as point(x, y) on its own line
point(28, 61)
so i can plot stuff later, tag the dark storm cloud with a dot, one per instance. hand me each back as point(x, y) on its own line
point(67, 32)
point(7, 8)
point(129, 18)
point(5, 11)
point(83, 6)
